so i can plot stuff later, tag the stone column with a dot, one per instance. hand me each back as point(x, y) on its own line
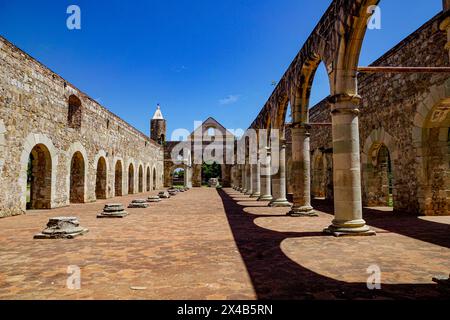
point(301, 171)
point(189, 178)
point(346, 168)
point(256, 182)
point(238, 177)
point(248, 171)
point(265, 175)
point(244, 178)
point(279, 181)
point(232, 184)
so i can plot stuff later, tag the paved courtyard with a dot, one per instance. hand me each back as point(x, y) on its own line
point(208, 244)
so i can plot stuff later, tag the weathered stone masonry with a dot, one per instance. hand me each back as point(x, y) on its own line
point(80, 151)
point(409, 115)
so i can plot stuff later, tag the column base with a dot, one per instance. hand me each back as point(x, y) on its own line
point(248, 193)
point(255, 195)
point(279, 203)
point(357, 228)
point(244, 191)
point(302, 212)
point(266, 197)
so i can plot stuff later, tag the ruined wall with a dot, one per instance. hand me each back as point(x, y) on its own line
point(34, 110)
point(409, 114)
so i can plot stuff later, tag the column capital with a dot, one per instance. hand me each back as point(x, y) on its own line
point(302, 128)
point(353, 99)
point(299, 125)
point(345, 97)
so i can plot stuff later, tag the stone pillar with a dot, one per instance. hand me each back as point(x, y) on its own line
point(233, 177)
point(238, 177)
point(256, 182)
point(279, 181)
point(248, 172)
point(301, 171)
point(189, 178)
point(347, 168)
point(265, 175)
point(244, 178)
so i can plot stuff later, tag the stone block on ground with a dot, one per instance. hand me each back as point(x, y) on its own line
point(138, 204)
point(62, 228)
point(113, 211)
point(164, 195)
point(154, 199)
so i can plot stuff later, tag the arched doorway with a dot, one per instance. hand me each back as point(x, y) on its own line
point(141, 180)
point(154, 178)
point(77, 178)
point(148, 180)
point(211, 170)
point(130, 179)
point(39, 176)
point(380, 180)
point(118, 179)
point(100, 184)
point(178, 177)
point(435, 158)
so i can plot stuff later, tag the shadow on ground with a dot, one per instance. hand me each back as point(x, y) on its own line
point(400, 223)
point(275, 276)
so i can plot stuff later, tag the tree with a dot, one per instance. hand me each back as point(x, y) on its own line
point(213, 170)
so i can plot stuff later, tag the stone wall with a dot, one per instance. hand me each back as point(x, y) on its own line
point(35, 118)
point(408, 114)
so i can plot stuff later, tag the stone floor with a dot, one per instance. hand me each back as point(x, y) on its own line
point(205, 244)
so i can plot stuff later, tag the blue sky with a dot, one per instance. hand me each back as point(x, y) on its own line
point(197, 58)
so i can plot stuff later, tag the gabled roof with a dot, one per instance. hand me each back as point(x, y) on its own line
point(212, 123)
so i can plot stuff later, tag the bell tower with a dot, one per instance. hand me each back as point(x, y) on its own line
point(158, 127)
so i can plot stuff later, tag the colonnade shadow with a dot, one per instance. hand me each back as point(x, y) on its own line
point(399, 222)
point(276, 277)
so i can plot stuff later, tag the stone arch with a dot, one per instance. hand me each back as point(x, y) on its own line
point(50, 164)
point(301, 92)
point(141, 178)
point(77, 178)
point(154, 177)
point(379, 159)
point(172, 171)
point(2, 146)
point(347, 41)
point(148, 177)
point(101, 179)
point(118, 177)
point(77, 170)
point(74, 116)
point(431, 139)
point(102, 175)
point(131, 177)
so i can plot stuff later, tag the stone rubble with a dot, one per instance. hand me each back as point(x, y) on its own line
point(113, 211)
point(62, 228)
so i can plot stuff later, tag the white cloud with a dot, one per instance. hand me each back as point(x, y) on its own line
point(229, 100)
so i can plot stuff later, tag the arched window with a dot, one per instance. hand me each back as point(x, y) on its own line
point(75, 113)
